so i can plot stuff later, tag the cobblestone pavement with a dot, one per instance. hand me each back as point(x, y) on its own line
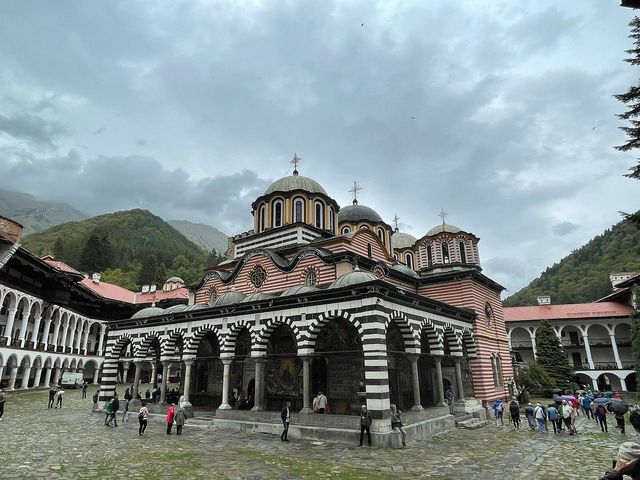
point(72, 443)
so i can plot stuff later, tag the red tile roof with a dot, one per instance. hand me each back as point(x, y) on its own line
point(572, 310)
point(110, 291)
point(57, 264)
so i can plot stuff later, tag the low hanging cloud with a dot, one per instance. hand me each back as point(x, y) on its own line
point(564, 228)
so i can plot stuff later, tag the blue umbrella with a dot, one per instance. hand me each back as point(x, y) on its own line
point(601, 401)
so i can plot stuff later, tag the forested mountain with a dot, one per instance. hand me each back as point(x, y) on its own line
point(34, 214)
point(205, 236)
point(583, 276)
point(129, 248)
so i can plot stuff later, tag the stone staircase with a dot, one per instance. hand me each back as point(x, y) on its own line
point(470, 422)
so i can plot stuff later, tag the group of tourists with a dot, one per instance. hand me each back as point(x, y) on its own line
point(56, 394)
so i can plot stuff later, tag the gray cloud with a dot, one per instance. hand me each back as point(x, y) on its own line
point(31, 129)
point(564, 228)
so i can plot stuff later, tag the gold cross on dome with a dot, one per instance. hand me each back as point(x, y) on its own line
point(354, 192)
point(443, 215)
point(396, 219)
point(295, 161)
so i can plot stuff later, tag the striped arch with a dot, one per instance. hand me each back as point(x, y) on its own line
point(453, 338)
point(322, 319)
point(409, 336)
point(469, 343)
point(265, 333)
point(229, 346)
point(116, 350)
point(434, 337)
point(168, 348)
point(191, 345)
point(143, 348)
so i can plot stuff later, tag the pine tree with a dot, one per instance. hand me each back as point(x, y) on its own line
point(149, 270)
point(552, 357)
point(91, 256)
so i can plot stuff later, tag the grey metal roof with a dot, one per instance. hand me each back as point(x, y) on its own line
point(175, 279)
point(401, 267)
point(402, 240)
point(295, 182)
point(229, 298)
point(175, 309)
point(197, 306)
point(353, 278)
point(443, 228)
point(356, 213)
point(257, 296)
point(298, 289)
point(148, 312)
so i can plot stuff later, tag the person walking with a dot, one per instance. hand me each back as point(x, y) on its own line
point(108, 410)
point(169, 417)
point(52, 396)
point(322, 402)
point(586, 406)
point(567, 414)
point(125, 411)
point(601, 414)
point(498, 410)
point(619, 421)
point(396, 424)
point(143, 418)
point(85, 387)
point(540, 417)
point(3, 400)
point(365, 424)
point(285, 414)
point(179, 419)
point(450, 396)
point(514, 412)
point(552, 414)
point(59, 396)
point(114, 412)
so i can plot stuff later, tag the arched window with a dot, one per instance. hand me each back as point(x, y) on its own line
point(381, 235)
point(346, 230)
point(494, 370)
point(262, 211)
point(499, 370)
point(276, 214)
point(463, 253)
point(369, 254)
point(429, 255)
point(213, 296)
point(298, 210)
point(319, 209)
point(311, 278)
point(409, 260)
point(395, 255)
point(445, 252)
point(364, 227)
point(332, 220)
point(488, 314)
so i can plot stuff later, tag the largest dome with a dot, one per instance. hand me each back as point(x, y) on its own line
point(356, 213)
point(443, 228)
point(295, 182)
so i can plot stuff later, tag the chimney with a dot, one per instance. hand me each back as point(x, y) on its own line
point(152, 288)
point(95, 278)
point(145, 288)
point(544, 300)
point(10, 229)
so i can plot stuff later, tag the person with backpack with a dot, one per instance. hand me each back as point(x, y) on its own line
point(601, 414)
point(540, 417)
point(143, 418)
point(552, 415)
point(528, 411)
point(52, 396)
point(619, 421)
point(514, 412)
point(568, 415)
point(498, 409)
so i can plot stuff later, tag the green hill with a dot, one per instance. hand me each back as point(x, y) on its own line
point(583, 276)
point(205, 236)
point(129, 248)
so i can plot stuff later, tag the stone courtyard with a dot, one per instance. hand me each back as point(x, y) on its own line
point(73, 443)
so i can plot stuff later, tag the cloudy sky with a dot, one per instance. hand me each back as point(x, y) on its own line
point(499, 112)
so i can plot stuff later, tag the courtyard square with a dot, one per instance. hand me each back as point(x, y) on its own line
point(73, 443)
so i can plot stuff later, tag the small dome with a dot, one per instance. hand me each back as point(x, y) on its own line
point(353, 278)
point(295, 182)
point(298, 289)
point(257, 296)
point(356, 213)
point(401, 267)
point(197, 306)
point(444, 227)
point(175, 309)
point(148, 312)
point(229, 298)
point(402, 240)
point(175, 280)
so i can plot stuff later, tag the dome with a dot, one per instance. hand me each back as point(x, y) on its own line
point(295, 182)
point(444, 227)
point(298, 289)
point(402, 240)
point(175, 280)
point(148, 312)
point(175, 309)
point(229, 298)
point(257, 296)
point(356, 213)
point(353, 278)
point(401, 267)
point(197, 306)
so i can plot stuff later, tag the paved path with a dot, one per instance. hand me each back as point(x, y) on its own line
point(73, 443)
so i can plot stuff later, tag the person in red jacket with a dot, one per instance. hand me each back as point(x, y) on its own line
point(169, 418)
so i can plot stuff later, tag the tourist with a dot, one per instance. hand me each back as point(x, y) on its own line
point(586, 406)
point(125, 411)
point(114, 411)
point(143, 417)
point(498, 410)
point(315, 403)
point(59, 396)
point(322, 402)
point(449, 395)
point(169, 417)
point(95, 397)
point(634, 418)
point(365, 424)
point(286, 419)
point(601, 415)
point(147, 395)
point(619, 421)
point(52, 396)
point(540, 417)
point(3, 399)
point(528, 411)
point(179, 418)
point(108, 410)
point(127, 395)
point(568, 414)
point(396, 424)
point(553, 414)
point(234, 398)
point(628, 463)
point(514, 413)
point(85, 387)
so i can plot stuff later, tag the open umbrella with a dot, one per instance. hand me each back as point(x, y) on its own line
point(619, 406)
point(601, 401)
point(569, 398)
